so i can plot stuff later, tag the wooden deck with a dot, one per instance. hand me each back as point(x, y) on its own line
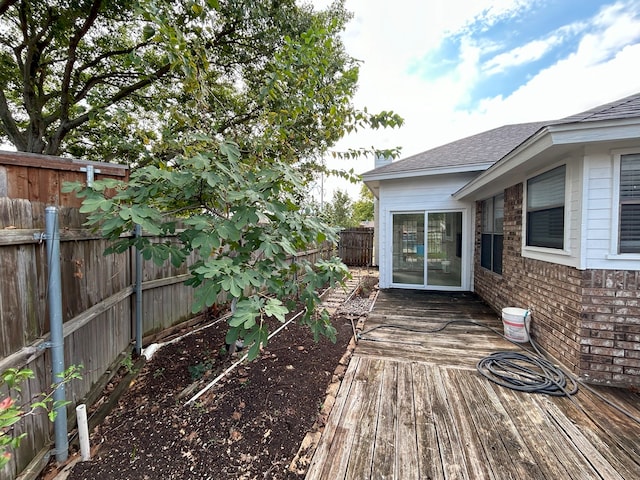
point(413, 406)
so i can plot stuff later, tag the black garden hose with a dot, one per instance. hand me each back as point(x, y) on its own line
point(526, 373)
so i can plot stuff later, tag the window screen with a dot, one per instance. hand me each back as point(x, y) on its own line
point(492, 232)
point(545, 209)
point(630, 203)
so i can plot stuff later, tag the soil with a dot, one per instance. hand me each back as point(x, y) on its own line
point(251, 425)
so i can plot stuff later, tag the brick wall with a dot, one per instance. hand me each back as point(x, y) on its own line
point(588, 320)
point(610, 333)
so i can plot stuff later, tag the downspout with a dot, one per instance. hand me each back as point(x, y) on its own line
point(57, 336)
point(138, 233)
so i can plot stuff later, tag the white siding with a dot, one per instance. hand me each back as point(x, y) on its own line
point(601, 210)
point(420, 195)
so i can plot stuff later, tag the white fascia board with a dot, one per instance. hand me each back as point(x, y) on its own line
point(425, 172)
point(601, 131)
point(528, 149)
point(374, 186)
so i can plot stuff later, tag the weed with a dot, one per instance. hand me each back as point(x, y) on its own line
point(127, 363)
point(198, 370)
point(134, 453)
point(158, 372)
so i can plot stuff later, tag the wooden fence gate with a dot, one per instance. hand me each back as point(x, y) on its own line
point(356, 246)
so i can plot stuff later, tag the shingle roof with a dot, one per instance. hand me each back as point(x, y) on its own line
point(490, 146)
point(480, 149)
point(628, 107)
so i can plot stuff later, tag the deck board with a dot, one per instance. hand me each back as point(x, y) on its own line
point(413, 406)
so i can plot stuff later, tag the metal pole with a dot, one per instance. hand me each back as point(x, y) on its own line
point(138, 233)
point(57, 336)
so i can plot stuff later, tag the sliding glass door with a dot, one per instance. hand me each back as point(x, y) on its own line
point(431, 258)
point(408, 248)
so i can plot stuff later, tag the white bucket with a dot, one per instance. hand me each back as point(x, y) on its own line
point(516, 323)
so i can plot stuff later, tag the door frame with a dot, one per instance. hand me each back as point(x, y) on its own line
point(466, 252)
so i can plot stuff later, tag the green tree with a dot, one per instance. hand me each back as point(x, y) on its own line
point(339, 212)
point(363, 207)
point(238, 195)
point(128, 80)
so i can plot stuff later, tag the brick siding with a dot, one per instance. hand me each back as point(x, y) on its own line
point(589, 321)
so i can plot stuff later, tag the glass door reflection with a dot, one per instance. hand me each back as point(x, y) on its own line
point(444, 249)
point(408, 249)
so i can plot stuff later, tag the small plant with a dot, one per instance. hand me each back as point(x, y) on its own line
point(158, 372)
point(11, 412)
point(198, 370)
point(134, 453)
point(127, 363)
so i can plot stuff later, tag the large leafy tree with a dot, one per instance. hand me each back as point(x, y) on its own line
point(363, 209)
point(125, 80)
point(254, 93)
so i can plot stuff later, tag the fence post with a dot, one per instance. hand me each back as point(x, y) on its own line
point(57, 336)
point(138, 233)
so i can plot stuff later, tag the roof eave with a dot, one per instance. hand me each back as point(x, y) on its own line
point(535, 144)
point(547, 137)
point(425, 172)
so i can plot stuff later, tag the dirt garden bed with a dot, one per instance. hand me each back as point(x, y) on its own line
point(251, 425)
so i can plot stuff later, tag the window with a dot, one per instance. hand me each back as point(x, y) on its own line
point(629, 204)
point(492, 234)
point(545, 209)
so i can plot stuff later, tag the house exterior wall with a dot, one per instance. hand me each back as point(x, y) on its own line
point(419, 195)
point(601, 187)
point(588, 319)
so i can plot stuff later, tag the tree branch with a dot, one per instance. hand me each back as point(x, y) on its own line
point(65, 100)
point(69, 124)
point(9, 125)
point(5, 4)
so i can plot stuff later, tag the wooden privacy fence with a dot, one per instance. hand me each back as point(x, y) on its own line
point(98, 296)
point(356, 246)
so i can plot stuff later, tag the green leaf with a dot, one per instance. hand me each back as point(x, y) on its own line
point(93, 204)
point(230, 150)
point(275, 308)
point(148, 32)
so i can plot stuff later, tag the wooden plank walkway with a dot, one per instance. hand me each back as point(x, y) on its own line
point(413, 406)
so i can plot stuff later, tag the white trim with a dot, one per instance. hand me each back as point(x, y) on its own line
point(424, 172)
point(541, 253)
point(547, 137)
point(614, 247)
point(615, 204)
point(584, 215)
point(596, 131)
point(623, 256)
point(465, 260)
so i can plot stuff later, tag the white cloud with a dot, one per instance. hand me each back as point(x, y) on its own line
point(390, 37)
point(528, 53)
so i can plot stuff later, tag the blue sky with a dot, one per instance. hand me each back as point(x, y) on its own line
point(453, 68)
point(511, 48)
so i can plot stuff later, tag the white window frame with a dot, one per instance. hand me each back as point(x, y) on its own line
point(525, 220)
point(615, 208)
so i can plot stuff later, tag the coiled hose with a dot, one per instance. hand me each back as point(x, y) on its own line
point(526, 372)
